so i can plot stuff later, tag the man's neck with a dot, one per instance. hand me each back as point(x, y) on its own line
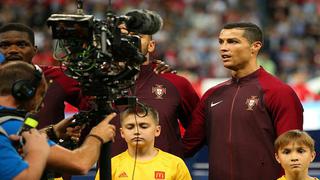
point(8, 101)
point(147, 61)
point(143, 153)
point(244, 71)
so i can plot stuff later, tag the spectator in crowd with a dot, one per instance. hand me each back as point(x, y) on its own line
point(142, 160)
point(171, 95)
point(294, 150)
point(244, 114)
point(22, 88)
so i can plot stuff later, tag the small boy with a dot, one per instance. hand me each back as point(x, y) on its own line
point(294, 150)
point(139, 127)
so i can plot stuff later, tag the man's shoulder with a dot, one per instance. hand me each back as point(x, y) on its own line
point(174, 77)
point(267, 78)
point(217, 87)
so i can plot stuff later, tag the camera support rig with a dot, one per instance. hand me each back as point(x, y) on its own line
point(102, 60)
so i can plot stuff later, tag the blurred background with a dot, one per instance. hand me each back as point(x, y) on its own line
point(188, 42)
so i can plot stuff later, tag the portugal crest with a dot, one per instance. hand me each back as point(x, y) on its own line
point(251, 102)
point(159, 91)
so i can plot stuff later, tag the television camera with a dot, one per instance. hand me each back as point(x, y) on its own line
point(102, 59)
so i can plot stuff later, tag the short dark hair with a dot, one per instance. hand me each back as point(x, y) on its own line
point(141, 110)
point(13, 71)
point(18, 27)
point(252, 31)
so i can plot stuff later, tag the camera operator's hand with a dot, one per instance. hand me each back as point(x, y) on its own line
point(34, 142)
point(104, 130)
point(162, 67)
point(35, 151)
point(63, 131)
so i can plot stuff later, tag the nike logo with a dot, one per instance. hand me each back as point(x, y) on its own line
point(214, 104)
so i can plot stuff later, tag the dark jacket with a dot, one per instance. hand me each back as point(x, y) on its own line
point(239, 120)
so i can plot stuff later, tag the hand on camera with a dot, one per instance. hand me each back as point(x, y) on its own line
point(35, 142)
point(63, 131)
point(104, 129)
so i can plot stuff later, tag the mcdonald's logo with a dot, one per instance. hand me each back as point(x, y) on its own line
point(159, 175)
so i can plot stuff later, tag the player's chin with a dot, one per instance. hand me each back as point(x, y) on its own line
point(228, 65)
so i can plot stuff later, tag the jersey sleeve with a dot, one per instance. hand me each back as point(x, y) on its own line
point(285, 108)
point(195, 135)
point(188, 97)
point(70, 86)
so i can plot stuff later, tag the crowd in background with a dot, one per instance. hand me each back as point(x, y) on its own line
point(188, 40)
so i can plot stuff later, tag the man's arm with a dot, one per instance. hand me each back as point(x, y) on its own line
point(80, 160)
point(195, 135)
point(188, 97)
point(286, 109)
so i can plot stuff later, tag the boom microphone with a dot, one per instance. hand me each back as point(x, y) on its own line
point(143, 21)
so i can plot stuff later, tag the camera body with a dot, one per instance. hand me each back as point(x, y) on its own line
point(95, 52)
point(103, 60)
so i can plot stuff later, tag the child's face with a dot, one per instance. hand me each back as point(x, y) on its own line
point(295, 158)
point(139, 131)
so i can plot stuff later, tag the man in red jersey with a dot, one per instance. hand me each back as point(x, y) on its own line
point(239, 119)
point(171, 95)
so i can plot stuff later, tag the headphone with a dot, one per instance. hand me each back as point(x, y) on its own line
point(23, 89)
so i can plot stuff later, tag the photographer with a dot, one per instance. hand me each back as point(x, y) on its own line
point(22, 89)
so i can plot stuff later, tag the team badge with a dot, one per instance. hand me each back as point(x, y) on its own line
point(159, 91)
point(159, 175)
point(251, 102)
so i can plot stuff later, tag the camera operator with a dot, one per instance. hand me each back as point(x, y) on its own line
point(22, 88)
point(17, 43)
point(171, 95)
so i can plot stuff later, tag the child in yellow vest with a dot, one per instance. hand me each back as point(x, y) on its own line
point(294, 150)
point(139, 127)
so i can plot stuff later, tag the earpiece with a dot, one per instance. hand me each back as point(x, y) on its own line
point(24, 89)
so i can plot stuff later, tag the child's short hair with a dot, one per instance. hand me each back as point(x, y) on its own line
point(140, 110)
point(296, 136)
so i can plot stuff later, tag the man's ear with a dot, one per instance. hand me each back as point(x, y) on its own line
point(255, 47)
point(35, 48)
point(151, 46)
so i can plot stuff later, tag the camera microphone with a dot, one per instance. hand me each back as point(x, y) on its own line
point(143, 21)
